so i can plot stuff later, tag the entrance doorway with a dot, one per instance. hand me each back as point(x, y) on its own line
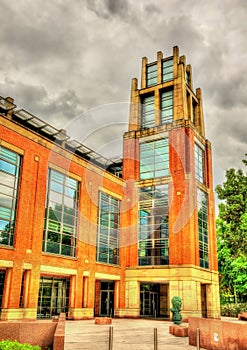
point(204, 300)
point(53, 296)
point(149, 300)
point(154, 300)
point(106, 299)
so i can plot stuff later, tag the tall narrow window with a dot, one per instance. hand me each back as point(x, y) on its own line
point(2, 279)
point(166, 107)
point(187, 76)
point(108, 229)
point(193, 114)
point(9, 179)
point(154, 159)
point(167, 70)
point(61, 216)
point(202, 203)
point(148, 113)
point(151, 75)
point(199, 163)
point(21, 302)
point(153, 226)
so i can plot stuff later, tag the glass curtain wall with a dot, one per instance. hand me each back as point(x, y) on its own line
point(202, 203)
point(9, 180)
point(153, 245)
point(154, 159)
point(61, 216)
point(108, 229)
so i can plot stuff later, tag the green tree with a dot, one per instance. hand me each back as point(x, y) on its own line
point(232, 233)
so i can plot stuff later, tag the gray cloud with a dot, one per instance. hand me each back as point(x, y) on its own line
point(108, 8)
point(67, 61)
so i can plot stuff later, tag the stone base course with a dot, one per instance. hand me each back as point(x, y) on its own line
point(218, 334)
point(178, 330)
point(103, 320)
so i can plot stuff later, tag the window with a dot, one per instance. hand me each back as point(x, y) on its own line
point(193, 114)
point(108, 229)
point(166, 107)
point(202, 203)
point(9, 180)
point(148, 113)
point(154, 159)
point(60, 228)
point(21, 301)
point(187, 77)
point(153, 226)
point(199, 163)
point(53, 296)
point(167, 70)
point(151, 75)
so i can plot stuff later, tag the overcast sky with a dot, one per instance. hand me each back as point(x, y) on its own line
point(71, 64)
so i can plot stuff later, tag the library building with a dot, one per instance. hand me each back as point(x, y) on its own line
point(93, 237)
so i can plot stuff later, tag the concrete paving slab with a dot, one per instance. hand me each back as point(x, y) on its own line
point(128, 334)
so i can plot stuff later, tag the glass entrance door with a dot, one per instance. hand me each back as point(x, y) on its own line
point(107, 299)
point(150, 300)
point(53, 296)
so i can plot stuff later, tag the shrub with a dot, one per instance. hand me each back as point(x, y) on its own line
point(15, 345)
point(232, 310)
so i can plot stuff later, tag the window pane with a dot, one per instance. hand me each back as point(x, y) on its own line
point(55, 175)
point(71, 182)
point(5, 213)
point(56, 197)
point(55, 186)
point(7, 180)
point(54, 226)
point(7, 167)
point(68, 219)
point(9, 191)
point(4, 225)
point(52, 236)
point(70, 192)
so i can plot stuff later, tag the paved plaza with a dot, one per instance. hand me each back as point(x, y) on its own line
point(127, 334)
